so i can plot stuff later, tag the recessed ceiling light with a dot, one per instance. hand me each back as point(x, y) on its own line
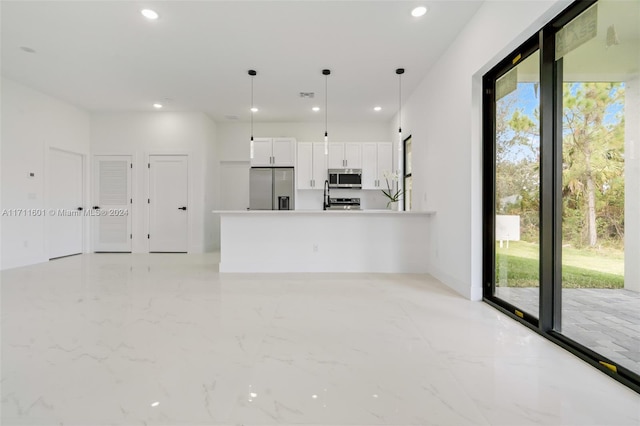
point(419, 11)
point(149, 14)
point(157, 106)
point(315, 109)
point(27, 49)
point(377, 108)
point(254, 109)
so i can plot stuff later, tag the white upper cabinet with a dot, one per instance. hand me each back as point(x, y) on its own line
point(335, 158)
point(377, 158)
point(319, 165)
point(312, 165)
point(262, 152)
point(345, 155)
point(284, 152)
point(273, 152)
point(369, 165)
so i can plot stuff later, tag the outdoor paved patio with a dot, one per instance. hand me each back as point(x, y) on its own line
point(604, 320)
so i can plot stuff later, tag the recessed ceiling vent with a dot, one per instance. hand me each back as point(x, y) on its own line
point(308, 95)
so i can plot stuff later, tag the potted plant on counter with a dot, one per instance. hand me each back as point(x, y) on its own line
point(393, 193)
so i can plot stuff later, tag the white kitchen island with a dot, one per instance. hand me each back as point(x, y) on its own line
point(324, 241)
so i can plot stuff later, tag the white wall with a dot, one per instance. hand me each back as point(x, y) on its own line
point(32, 123)
point(233, 138)
point(444, 117)
point(142, 134)
point(211, 188)
point(632, 185)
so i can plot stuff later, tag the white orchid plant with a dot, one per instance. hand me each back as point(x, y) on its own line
point(392, 182)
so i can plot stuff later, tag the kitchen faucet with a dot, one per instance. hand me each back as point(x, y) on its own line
point(326, 201)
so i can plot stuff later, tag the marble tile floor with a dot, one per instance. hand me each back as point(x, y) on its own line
point(119, 339)
point(604, 320)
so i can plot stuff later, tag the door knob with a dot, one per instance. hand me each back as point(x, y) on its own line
point(182, 208)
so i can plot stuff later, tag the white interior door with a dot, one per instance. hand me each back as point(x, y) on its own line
point(65, 209)
point(168, 203)
point(111, 211)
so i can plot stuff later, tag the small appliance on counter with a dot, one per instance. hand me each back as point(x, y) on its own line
point(344, 204)
point(271, 188)
point(345, 178)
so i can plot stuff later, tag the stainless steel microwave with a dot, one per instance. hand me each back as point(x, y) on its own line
point(345, 178)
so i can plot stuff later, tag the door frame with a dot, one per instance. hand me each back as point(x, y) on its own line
point(147, 185)
point(47, 196)
point(526, 49)
point(548, 323)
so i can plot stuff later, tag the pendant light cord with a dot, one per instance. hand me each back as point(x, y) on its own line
point(252, 107)
point(399, 103)
point(326, 79)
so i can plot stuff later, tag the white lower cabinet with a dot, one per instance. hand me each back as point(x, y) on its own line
point(377, 158)
point(311, 166)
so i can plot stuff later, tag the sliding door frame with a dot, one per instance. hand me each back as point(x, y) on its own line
point(549, 322)
point(489, 176)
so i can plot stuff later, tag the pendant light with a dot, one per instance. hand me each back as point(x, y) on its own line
point(400, 71)
point(252, 73)
point(326, 74)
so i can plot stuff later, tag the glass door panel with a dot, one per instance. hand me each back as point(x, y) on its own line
point(517, 185)
point(599, 55)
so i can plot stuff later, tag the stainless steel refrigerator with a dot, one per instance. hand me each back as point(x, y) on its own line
point(271, 188)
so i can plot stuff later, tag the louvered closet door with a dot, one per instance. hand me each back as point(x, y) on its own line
point(111, 208)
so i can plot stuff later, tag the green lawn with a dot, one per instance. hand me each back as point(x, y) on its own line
point(518, 267)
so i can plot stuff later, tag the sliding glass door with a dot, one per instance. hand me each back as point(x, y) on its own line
point(517, 184)
point(562, 184)
point(600, 181)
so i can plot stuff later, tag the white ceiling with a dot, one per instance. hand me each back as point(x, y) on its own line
point(104, 56)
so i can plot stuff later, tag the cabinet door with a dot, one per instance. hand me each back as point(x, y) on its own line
point(370, 165)
point(336, 156)
point(385, 162)
point(319, 165)
point(261, 152)
point(353, 155)
point(304, 167)
point(283, 152)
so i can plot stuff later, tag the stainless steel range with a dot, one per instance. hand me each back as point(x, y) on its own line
point(344, 204)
